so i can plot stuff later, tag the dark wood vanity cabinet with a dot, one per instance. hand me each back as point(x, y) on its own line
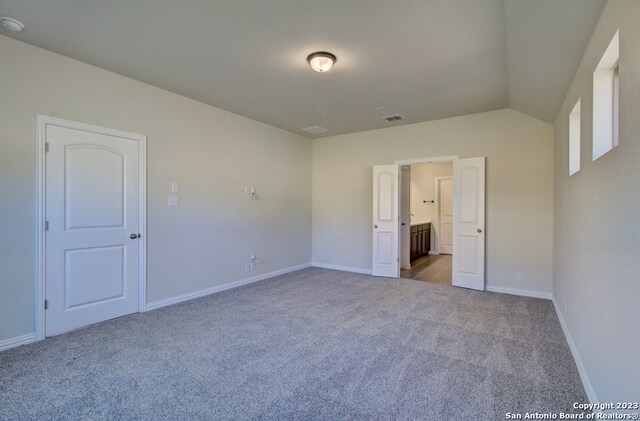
point(420, 240)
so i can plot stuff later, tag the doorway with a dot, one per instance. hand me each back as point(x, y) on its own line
point(428, 197)
point(391, 220)
point(91, 219)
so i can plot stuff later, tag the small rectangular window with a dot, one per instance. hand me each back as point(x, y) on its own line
point(574, 139)
point(606, 100)
point(616, 104)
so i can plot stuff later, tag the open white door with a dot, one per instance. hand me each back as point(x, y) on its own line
point(468, 223)
point(405, 217)
point(385, 260)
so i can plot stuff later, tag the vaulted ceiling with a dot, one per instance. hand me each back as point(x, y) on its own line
point(422, 59)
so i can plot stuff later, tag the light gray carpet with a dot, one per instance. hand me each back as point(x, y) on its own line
point(313, 344)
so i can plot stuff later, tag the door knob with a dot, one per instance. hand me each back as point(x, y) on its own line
point(375, 226)
point(133, 236)
point(479, 230)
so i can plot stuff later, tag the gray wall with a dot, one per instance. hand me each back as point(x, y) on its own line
point(597, 235)
point(519, 190)
point(211, 153)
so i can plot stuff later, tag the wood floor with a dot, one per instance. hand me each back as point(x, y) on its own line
point(430, 268)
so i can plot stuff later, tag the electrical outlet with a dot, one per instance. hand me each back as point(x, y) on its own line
point(520, 277)
point(253, 266)
point(564, 304)
point(174, 201)
point(247, 267)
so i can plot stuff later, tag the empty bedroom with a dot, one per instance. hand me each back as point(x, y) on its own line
point(296, 209)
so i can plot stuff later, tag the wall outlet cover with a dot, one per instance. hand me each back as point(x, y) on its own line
point(174, 201)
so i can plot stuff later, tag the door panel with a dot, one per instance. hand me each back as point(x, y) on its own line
point(385, 248)
point(385, 221)
point(92, 207)
point(94, 275)
point(445, 205)
point(468, 223)
point(98, 203)
point(385, 197)
point(468, 194)
point(467, 255)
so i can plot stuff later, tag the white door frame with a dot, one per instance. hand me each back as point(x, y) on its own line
point(42, 122)
point(431, 160)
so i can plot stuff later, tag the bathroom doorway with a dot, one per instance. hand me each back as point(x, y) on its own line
point(426, 201)
point(392, 220)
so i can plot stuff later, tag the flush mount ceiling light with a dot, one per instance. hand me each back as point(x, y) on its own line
point(321, 61)
point(11, 24)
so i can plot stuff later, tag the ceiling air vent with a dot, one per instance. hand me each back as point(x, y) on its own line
point(315, 130)
point(394, 117)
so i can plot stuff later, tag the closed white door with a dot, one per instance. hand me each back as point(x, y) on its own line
point(385, 221)
point(445, 216)
point(92, 242)
point(468, 225)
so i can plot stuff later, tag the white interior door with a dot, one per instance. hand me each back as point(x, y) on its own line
point(445, 215)
point(385, 221)
point(405, 217)
point(468, 223)
point(92, 242)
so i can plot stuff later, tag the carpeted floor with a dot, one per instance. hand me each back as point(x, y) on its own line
point(313, 344)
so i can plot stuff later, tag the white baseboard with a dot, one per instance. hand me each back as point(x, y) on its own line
point(31, 337)
point(586, 383)
point(521, 292)
point(229, 285)
point(342, 268)
point(17, 341)
point(433, 253)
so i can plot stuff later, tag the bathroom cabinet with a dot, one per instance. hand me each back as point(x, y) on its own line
point(420, 240)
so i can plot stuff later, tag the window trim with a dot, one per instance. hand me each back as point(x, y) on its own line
point(606, 106)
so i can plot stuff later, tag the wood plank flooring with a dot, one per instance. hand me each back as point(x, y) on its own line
point(430, 268)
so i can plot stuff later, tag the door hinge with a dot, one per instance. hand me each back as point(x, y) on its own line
point(46, 304)
point(46, 225)
point(46, 147)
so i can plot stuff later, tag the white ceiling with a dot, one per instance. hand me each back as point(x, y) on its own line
point(423, 59)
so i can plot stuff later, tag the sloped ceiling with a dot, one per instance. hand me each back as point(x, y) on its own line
point(423, 59)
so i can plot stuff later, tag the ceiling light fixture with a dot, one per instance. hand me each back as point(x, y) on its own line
point(11, 24)
point(321, 61)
